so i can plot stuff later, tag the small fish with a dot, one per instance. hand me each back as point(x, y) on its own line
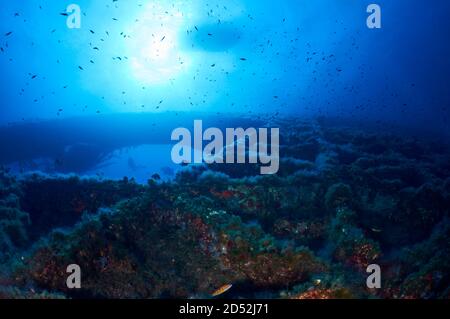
point(376, 230)
point(222, 290)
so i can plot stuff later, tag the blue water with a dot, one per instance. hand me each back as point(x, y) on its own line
point(88, 176)
point(174, 59)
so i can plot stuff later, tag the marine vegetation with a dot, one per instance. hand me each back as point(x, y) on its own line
point(343, 199)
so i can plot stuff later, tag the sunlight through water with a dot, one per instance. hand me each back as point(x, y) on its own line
point(156, 55)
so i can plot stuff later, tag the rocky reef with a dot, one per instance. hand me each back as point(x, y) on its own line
point(343, 199)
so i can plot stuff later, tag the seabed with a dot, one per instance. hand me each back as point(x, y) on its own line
point(343, 199)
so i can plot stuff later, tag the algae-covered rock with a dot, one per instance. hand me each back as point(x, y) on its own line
point(338, 195)
point(342, 200)
point(349, 245)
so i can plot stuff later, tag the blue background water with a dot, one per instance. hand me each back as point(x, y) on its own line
point(298, 58)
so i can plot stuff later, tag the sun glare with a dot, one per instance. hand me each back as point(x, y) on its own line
point(155, 52)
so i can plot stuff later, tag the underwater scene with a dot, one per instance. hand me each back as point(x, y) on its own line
point(224, 149)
